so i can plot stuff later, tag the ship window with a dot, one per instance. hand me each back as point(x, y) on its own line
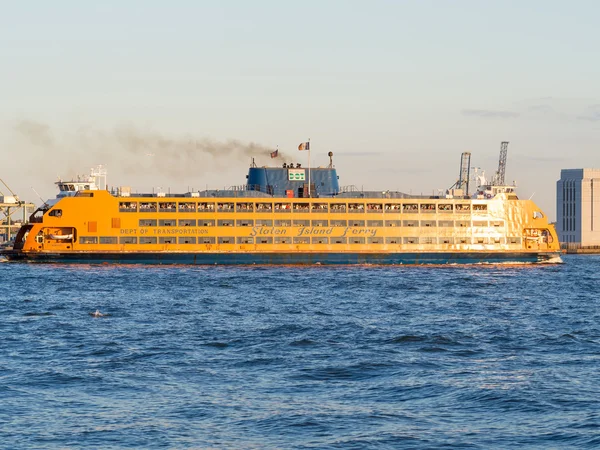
point(206, 207)
point(167, 223)
point(374, 223)
point(393, 223)
point(446, 223)
point(393, 207)
point(356, 223)
point(319, 207)
point(514, 240)
point(480, 223)
point(410, 240)
point(226, 240)
point(356, 207)
point(301, 207)
point(263, 222)
point(339, 223)
point(338, 207)
point(127, 207)
point(537, 215)
point(497, 240)
point(410, 207)
point(128, 240)
point(374, 207)
point(244, 207)
point(357, 240)
point(225, 207)
point(108, 240)
point(245, 222)
point(245, 240)
point(427, 240)
point(462, 207)
point(71, 187)
point(498, 223)
point(187, 207)
point(283, 207)
point(264, 240)
point(166, 240)
point(187, 240)
point(147, 206)
point(302, 240)
point(445, 207)
point(88, 240)
point(462, 223)
point(428, 207)
point(264, 207)
point(428, 223)
point(393, 240)
point(446, 240)
point(301, 223)
point(186, 222)
point(148, 240)
point(375, 240)
point(320, 240)
point(147, 222)
point(225, 223)
point(283, 240)
point(167, 207)
point(206, 222)
point(338, 240)
point(206, 240)
point(479, 207)
point(283, 223)
point(320, 223)
point(55, 213)
point(84, 194)
point(410, 223)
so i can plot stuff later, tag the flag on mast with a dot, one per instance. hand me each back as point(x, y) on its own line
point(304, 146)
point(275, 154)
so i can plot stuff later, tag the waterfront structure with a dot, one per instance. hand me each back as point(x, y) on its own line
point(578, 207)
point(287, 215)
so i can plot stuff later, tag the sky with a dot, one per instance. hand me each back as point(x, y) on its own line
point(181, 94)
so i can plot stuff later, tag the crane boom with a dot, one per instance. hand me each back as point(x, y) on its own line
point(499, 178)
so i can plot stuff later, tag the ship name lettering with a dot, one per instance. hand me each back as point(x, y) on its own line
point(359, 232)
point(313, 231)
point(269, 231)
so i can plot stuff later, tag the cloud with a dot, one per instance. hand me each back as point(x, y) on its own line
point(591, 114)
point(489, 114)
point(542, 159)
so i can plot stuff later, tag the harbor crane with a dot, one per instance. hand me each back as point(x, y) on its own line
point(9, 204)
point(499, 176)
point(463, 177)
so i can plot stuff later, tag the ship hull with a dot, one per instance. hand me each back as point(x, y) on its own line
point(346, 258)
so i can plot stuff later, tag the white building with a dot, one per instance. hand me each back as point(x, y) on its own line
point(578, 206)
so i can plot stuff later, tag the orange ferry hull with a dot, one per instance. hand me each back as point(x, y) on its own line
point(290, 258)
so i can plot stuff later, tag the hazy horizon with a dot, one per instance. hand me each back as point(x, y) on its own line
point(183, 95)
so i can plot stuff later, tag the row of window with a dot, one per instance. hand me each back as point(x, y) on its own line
point(186, 207)
point(316, 223)
point(295, 240)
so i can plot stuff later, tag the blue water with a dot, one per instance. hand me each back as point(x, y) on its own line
point(300, 357)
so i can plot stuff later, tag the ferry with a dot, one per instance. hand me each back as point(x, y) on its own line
point(287, 214)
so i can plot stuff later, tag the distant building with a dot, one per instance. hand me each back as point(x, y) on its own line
point(578, 207)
